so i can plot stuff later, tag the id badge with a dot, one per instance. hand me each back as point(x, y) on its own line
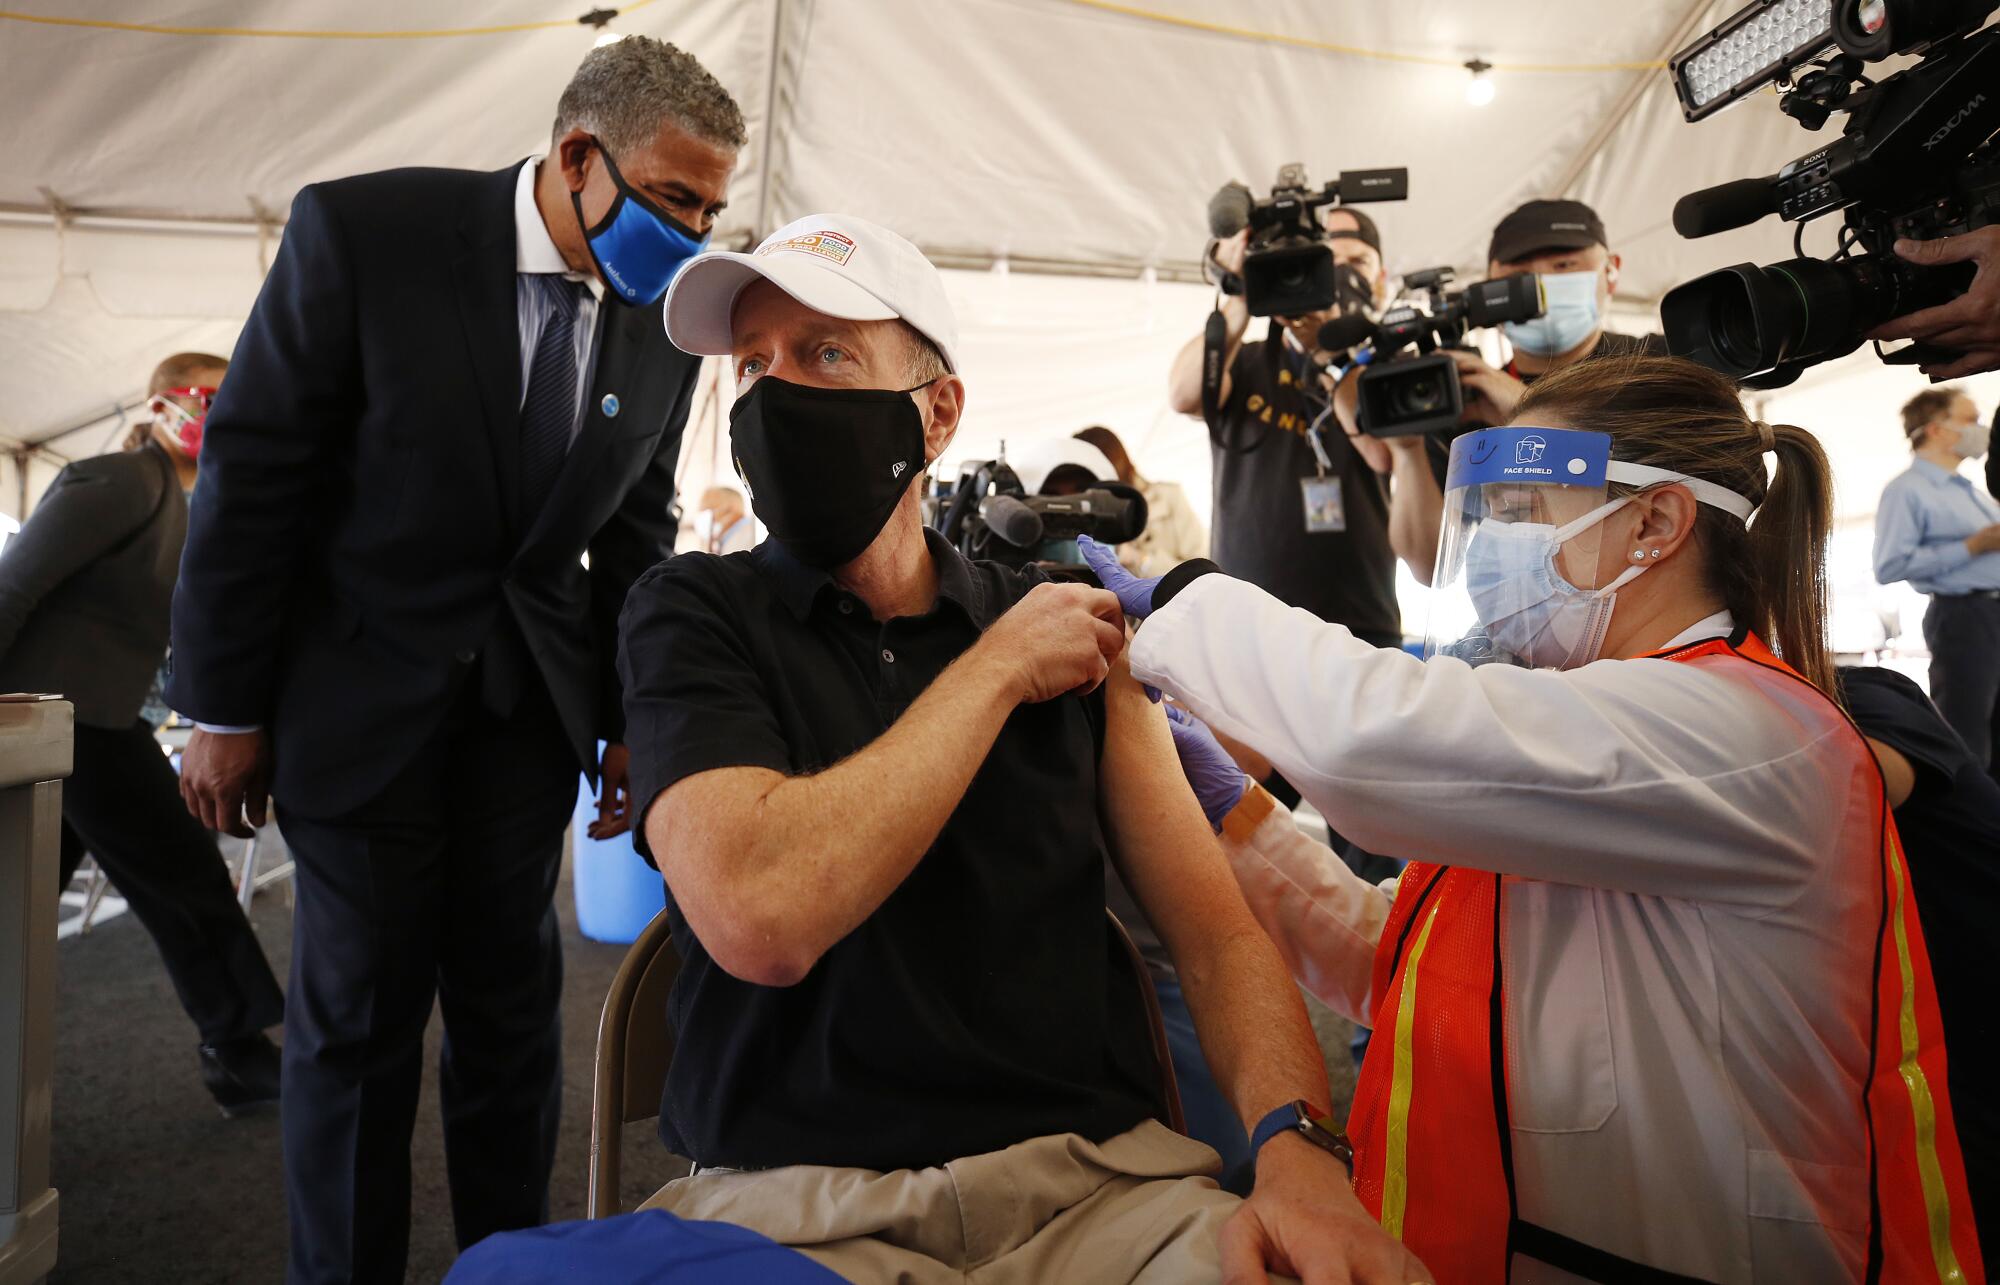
point(1326, 506)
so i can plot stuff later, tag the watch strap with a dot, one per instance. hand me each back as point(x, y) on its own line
point(1297, 1117)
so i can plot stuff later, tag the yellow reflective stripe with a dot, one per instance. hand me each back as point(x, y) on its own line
point(1923, 1109)
point(1395, 1161)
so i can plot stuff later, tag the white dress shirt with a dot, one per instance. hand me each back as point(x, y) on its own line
point(1693, 852)
point(535, 254)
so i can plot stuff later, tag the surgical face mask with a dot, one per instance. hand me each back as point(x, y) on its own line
point(187, 426)
point(1527, 607)
point(637, 246)
point(1973, 440)
point(1568, 317)
point(826, 466)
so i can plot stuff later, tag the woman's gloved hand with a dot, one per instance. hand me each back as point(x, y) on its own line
point(1134, 594)
point(1217, 781)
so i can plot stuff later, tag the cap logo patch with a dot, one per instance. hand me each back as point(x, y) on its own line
point(1568, 227)
point(827, 245)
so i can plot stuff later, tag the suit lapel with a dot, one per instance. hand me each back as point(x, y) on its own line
point(483, 275)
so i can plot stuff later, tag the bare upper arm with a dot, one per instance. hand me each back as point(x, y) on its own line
point(1899, 778)
point(1159, 838)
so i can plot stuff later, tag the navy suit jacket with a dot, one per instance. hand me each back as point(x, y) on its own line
point(360, 526)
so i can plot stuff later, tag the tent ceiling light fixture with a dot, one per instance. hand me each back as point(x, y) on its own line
point(1479, 87)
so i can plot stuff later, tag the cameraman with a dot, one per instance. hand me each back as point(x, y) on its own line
point(1331, 557)
point(1564, 241)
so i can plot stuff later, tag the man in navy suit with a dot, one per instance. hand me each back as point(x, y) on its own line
point(445, 451)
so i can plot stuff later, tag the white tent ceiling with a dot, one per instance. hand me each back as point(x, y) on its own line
point(148, 169)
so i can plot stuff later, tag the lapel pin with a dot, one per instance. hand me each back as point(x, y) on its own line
point(609, 405)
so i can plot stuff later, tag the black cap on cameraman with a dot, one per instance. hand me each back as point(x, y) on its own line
point(1363, 229)
point(1545, 225)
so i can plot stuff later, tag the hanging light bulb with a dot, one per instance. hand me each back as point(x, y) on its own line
point(1479, 87)
point(607, 38)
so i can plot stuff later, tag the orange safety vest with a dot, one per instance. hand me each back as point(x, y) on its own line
point(1432, 1158)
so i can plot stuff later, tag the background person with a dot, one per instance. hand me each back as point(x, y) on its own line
point(453, 386)
point(722, 523)
point(1948, 818)
point(1936, 530)
point(881, 782)
point(1331, 557)
point(1624, 954)
point(85, 589)
point(1565, 242)
point(1173, 533)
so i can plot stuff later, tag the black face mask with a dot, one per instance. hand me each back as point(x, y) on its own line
point(826, 466)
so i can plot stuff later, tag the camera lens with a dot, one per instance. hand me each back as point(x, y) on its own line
point(1423, 395)
point(1744, 321)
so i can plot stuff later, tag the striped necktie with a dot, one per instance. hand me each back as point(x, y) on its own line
point(548, 413)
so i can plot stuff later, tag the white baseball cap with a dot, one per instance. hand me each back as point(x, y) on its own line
point(832, 263)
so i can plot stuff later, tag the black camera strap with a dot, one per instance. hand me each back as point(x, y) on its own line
point(1214, 338)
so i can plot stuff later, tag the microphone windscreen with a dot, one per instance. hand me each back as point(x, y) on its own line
point(1343, 333)
point(1012, 520)
point(1228, 211)
point(1727, 205)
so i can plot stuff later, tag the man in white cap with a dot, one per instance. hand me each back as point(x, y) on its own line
point(880, 781)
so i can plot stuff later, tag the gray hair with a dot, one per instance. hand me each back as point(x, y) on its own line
point(623, 91)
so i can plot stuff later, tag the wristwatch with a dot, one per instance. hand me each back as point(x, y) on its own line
point(1297, 1117)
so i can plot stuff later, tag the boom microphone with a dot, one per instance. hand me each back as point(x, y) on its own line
point(1729, 205)
point(1011, 520)
point(1343, 333)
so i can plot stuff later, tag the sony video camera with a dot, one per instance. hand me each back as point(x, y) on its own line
point(1404, 395)
point(1917, 159)
point(1288, 269)
point(989, 515)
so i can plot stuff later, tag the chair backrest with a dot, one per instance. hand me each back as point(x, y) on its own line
point(634, 1047)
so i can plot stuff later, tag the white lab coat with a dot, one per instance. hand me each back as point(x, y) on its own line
point(1687, 942)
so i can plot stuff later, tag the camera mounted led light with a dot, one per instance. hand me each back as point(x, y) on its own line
point(1749, 50)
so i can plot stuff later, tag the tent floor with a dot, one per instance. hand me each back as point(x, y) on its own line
point(156, 1186)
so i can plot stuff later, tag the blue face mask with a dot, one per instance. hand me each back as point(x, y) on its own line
point(638, 247)
point(1569, 315)
point(1529, 611)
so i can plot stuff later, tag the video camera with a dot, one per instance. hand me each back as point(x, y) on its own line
point(989, 515)
point(1288, 269)
point(1916, 159)
point(1403, 396)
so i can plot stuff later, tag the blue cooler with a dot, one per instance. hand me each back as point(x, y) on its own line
point(617, 893)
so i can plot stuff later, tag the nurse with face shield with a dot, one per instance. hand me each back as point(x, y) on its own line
point(1651, 1001)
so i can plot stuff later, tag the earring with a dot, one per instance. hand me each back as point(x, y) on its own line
point(1638, 555)
point(1656, 553)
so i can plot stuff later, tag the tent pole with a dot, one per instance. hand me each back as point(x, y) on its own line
point(765, 168)
point(1628, 102)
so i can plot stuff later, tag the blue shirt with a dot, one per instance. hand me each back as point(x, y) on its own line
point(1921, 527)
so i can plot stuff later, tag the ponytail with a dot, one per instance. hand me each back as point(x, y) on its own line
point(1786, 557)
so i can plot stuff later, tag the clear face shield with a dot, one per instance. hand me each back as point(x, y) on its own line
point(1518, 560)
point(1524, 576)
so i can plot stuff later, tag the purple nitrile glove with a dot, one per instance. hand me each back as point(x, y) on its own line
point(1134, 594)
point(1217, 780)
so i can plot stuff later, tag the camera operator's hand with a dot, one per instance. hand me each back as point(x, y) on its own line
point(1970, 322)
point(1134, 594)
point(1058, 638)
point(1490, 394)
point(1230, 251)
point(1346, 395)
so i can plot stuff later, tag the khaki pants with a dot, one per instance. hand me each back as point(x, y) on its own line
point(1139, 1207)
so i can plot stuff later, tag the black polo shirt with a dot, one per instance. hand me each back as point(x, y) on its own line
point(1950, 827)
point(984, 1002)
point(1261, 455)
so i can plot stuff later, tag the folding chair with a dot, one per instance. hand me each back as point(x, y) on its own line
point(634, 1048)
